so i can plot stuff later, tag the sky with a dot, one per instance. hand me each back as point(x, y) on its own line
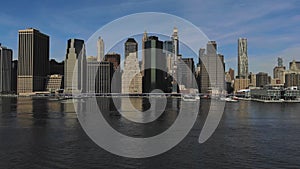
point(272, 27)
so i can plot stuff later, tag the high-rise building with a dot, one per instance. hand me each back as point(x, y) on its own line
point(75, 66)
point(294, 65)
point(262, 79)
point(187, 71)
point(100, 49)
point(242, 58)
point(131, 77)
point(5, 69)
point(14, 76)
point(212, 70)
point(144, 39)
point(130, 46)
point(33, 60)
point(91, 72)
point(292, 75)
point(292, 79)
point(155, 64)
point(113, 58)
point(278, 71)
point(104, 77)
point(56, 67)
point(231, 73)
point(240, 84)
point(175, 40)
point(252, 80)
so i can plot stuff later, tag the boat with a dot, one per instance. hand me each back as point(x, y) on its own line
point(190, 98)
point(229, 99)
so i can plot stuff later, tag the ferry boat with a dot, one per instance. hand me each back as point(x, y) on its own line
point(191, 98)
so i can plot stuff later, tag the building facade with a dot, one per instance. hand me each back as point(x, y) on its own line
point(54, 83)
point(100, 49)
point(75, 66)
point(155, 65)
point(242, 58)
point(104, 77)
point(212, 70)
point(5, 69)
point(262, 79)
point(33, 60)
point(132, 78)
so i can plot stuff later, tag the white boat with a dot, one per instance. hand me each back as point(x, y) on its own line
point(190, 98)
point(228, 99)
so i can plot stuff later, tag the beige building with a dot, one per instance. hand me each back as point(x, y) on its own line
point(240, 84)
point(54, 83)
point(75, 66)
point(131, 77)
point(33, 60)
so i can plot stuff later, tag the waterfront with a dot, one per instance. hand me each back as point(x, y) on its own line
point(39, 133)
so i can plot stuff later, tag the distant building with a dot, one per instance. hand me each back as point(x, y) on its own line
point(262, 79)
point(104, 77)
point(144, 39)
point(100, 49)
point(231, 73)
point(240, 84)
point(131, 77)
point(130, 46)
point(155, 64)
point(252, 80)
point(212, 70)
point(33, 60)
point(242, 58)
point(5, 69)
point(92, 68)
point(279, 71)
point(75, 66)
point(292, 75)
point(113, 58)
point(292, 79)
point(14, 76)
point(297, 63)
point(54, 83)
point(188, 70)
point(56, 67)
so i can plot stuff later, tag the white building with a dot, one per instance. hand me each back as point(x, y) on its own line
point(131, 77)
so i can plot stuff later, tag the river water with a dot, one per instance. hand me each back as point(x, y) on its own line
point(42, 133)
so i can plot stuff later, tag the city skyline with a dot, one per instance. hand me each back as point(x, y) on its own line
point(257, 21)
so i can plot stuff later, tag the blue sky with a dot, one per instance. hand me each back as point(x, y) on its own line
point(272, 27)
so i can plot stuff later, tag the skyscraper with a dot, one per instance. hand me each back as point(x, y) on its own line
point(278, 71)
point(5, 69)
point(100, 49)
point(33, 60)
point(14, 76)
point(130, 46)
point(104, 77)
point(262, 79)
point(131, 77)
point(144, 39)
point(92, 68)
point(242, 58)
point(212, 70)
point(187, 72)
point(155, 64)
point(75, 54)
point(113, 58)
